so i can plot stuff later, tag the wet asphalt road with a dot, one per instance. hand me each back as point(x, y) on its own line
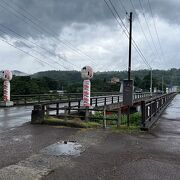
point(14, 117)
point(19, 139)
point(151, 155)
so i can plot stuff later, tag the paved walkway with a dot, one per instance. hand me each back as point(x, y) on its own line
point(142, 156)
point(105, 155)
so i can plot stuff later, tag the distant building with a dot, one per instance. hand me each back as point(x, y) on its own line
point(115, 80)
point(174, 89)
point(57, 91)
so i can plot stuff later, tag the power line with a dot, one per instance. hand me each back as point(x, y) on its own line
point(42, 29)
point(144, 34)
point(148, 28)
point(38, 52)
point(134, 43)
point(122, 5)
point(59, 57)
point(156, 29)
point(37, 59)
point(126, 32)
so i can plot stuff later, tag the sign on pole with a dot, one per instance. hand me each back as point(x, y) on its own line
point(128, 92)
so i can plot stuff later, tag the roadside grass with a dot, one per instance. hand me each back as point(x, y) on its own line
point(135, 118)
point(76, 123)
point(135, 122)
point(97, 122)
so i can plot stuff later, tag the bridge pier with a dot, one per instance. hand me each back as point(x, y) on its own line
point(37, 115)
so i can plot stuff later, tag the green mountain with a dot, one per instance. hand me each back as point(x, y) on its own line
point(71, 81)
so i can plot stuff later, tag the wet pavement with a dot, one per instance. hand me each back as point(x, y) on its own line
point(41, 152)
point(19, 139)
point(63, 148)
point(153, 155)
point(14, 117)
point(26, 140)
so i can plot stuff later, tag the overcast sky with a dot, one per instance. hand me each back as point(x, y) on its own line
point(39, 35)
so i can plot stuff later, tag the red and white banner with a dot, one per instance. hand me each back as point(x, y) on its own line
point(86, 93)
point(6, 90)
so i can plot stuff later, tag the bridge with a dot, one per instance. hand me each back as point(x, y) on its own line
point(70, 105)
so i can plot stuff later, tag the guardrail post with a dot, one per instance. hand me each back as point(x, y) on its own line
point(143, 113)
point(69, 106)
point(155, 105)
point(119, 118)
point(47, 111)
point(104, 117)
point(57, 109)
point(151, 110)
point(112, 100)
point(96, 102)
point(79, 105)
point(51, 97)
point(65, 113)
point(105, 101)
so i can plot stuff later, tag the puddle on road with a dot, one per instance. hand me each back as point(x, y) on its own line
point(64, 148)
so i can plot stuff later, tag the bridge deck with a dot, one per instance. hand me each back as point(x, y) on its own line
point(169, 123)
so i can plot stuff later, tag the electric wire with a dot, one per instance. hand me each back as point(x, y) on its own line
point(149, 29)
point(162, 52)
point(42, 29)
point(144, 34)
point(126, 32)
point(37, 45)
point(133, 41)
point(29, 54)
point(36, 29)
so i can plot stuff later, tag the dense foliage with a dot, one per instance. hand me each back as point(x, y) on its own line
point(71, 81)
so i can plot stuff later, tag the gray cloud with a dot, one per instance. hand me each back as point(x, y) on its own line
point(90, 27)
point(56, 14)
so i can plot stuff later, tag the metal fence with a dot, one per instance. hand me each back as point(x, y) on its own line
point(97, 98)
point(151, 108)
point(148, 112)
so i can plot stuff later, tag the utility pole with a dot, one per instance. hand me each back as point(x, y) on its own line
point(129, 65)
point(151, 84)
point(130, 43)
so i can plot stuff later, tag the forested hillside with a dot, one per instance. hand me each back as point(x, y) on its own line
point(71, 81)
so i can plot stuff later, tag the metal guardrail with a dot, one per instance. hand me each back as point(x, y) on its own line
point(97, 98)
point(42, 98)
point(105, 100)
point(151, 108)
